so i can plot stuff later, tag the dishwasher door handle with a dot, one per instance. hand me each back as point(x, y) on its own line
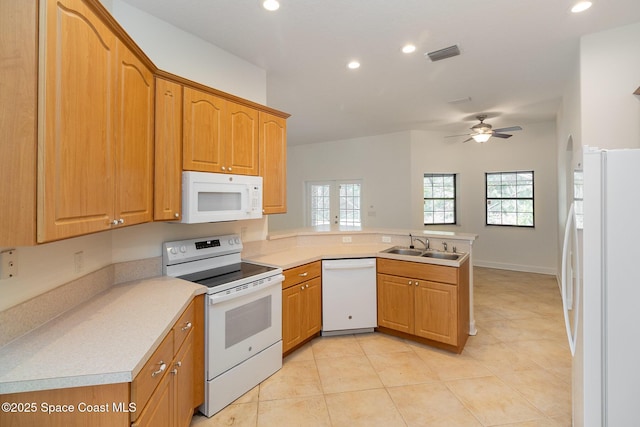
point(348, 266)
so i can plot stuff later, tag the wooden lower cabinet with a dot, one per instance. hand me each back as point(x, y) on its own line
point(301, 305)
point(167, 398)
point(412, 303)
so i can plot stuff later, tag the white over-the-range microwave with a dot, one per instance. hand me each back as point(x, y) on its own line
point(215, 197)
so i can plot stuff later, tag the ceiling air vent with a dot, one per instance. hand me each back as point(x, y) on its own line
point(445, 53)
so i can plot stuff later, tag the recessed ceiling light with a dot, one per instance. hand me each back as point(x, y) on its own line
point(271, 5)
point(581, 6)
point(409, 48)
point(353, 65)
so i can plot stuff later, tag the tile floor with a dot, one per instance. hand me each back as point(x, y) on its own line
point(515, 372)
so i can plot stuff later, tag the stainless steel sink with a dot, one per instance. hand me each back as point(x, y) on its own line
point(403, 251)
point(428, 253)
point(441, 255)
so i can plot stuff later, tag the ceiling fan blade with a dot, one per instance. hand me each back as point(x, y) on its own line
point(467, 140)
point(509, 129)
point(501, 135)
point(454, 136)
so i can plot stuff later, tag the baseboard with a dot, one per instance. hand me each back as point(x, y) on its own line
point(515, 267)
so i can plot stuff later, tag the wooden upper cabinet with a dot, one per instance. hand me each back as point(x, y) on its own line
point(241, 149)
point(18, 121)
point(204, 131)
point(76, 188)
point(273, 163)
point(96, 142)
point(219, 135)
point(168, 151)
point(134, 147)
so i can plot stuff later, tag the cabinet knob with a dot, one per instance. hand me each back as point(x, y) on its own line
point(187, 326)
point(417, 283)
point(162, 368)
point(305, 274)
point(178, 363)
point(174, 372)
point(302, 287)
point(177, 215)
point(114, 222)
point(229, 168)
point(121, 221)
point(410, 282)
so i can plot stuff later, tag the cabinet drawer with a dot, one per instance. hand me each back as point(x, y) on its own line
point(418, 270)
point(300, 274)
point(151, 374)
point(183, 326)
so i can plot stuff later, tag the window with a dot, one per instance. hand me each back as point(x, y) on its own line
point(339, 200)
point(439, 198)
point(510, 198)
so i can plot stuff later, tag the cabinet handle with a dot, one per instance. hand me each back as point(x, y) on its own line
point(305, 274)
point(187, 326)
point(163, 366)
point(178, 363)
point(174, 372)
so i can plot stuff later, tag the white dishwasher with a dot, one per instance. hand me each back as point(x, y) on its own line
point(349, 303)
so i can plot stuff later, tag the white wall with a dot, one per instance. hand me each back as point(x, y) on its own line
point(514, 248)
point(176, 51)
point(609, 74)
point(382, 162)
point(47, 266)
point(392, 166)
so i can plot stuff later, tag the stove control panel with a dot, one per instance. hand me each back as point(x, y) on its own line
point(182, 251)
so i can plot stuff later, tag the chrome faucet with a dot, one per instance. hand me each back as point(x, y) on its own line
point(444, 245)
point(425, 242)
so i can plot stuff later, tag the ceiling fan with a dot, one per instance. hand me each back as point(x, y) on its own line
point(483, 131)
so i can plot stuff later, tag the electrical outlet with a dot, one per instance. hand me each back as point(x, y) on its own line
point(386, 239)
point(8, 264)
point(78, 261)
point(346, 239)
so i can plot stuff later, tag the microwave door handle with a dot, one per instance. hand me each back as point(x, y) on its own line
point(248, 204)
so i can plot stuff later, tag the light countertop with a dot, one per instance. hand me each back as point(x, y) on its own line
point(300, 255)
point(103, 341)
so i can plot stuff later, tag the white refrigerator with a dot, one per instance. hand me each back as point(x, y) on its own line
point(601, 291)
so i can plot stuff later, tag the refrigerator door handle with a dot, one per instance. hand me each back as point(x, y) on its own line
point(569, 300)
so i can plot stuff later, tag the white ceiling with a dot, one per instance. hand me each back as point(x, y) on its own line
point(516, 58)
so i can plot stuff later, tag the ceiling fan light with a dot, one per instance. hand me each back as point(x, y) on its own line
point(481, 137)
point(271, 5)
point(581, 6)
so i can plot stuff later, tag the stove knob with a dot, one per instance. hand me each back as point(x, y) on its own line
point(183, 249)
point(173, 250)
point(231, 241)
point(237, 240)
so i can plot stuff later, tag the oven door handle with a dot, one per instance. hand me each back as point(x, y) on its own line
point(223, 296)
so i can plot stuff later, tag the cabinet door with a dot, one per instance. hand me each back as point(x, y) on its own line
point(133, 140)
point(183, 376)
point(168, 151)
point(292, 327)
point(395, 303)
point(18, 121)
point(273, 163)
point(76, 188)
point(159, 411)
point(204, 131)
point(241, 149)
point(436, 312)
point(312, 307)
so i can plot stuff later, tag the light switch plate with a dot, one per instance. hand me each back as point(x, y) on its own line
point(8, 264)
